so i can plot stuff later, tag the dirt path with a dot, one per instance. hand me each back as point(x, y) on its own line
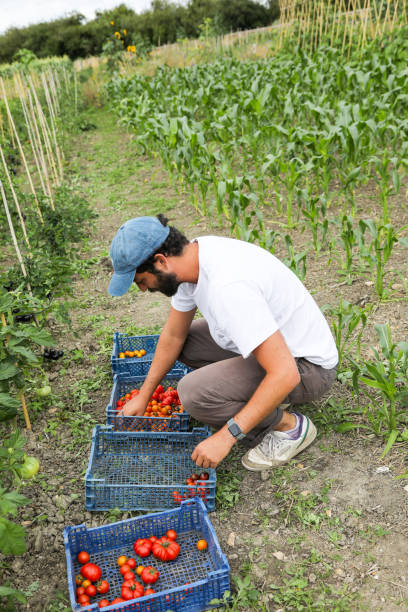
point(328, 532)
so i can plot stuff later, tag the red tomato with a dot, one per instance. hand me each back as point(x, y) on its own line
point(171, 534)
point(129, 576)
point(131, 563)
point(165, 550)
point(143, 547)
point(150, 575)
point(103, 603)
point(117, 600)
point(79, 579)
point(91, 590)
point(83, 599)
point(80, 591)
point(91, 571)
point(149, 591)
point(102, 587)
point(83, 557)
point(124, 569)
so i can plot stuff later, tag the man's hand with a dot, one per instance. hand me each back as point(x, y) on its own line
point(210, 452)
point(134, 407)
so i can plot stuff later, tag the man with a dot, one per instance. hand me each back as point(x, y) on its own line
point(263, 342)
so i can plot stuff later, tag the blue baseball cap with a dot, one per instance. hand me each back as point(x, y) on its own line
point(134, 242)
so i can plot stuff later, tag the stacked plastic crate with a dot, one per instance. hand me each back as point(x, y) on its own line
point(143, 463)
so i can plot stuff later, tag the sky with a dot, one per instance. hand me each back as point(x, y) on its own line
point(20, 13)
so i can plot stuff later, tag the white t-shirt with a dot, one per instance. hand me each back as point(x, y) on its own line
point(246, 294)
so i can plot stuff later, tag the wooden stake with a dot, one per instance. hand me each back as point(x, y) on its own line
point(23, 402)
point(21, 149)
point(52, 122)
point(393, 18)
point(378, 18)
point(32, 137)
point(20, 215)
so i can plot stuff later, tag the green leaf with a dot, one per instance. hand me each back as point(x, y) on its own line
point(9, 592)
point(345, 427)
point(391, 439)
point(8, 401)
point(25, 352)
point(12, 538)
point(7, 370)
point(39, 336)
point(10, 502)
point(384, 337)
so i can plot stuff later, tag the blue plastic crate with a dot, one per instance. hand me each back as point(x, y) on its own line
point(186, 584)
point(136, 366)
point(143, 470)
point(123, 385)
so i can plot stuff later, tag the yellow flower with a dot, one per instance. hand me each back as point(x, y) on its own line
point(112, 22)
point(117, 34)
point(124, 32)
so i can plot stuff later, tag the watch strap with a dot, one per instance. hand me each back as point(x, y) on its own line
point(235, 429)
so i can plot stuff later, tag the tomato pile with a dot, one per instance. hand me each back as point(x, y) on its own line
point(125, 354)
point(88, 581)
point(199, 488)
point(163, 402)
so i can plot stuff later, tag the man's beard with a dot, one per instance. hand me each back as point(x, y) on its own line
point(166, 283)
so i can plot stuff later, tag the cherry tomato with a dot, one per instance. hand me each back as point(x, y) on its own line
point(117, 600)
point(83, 557)
point(204, 476)
point(171, 534)
point(103, 603)
point(129, 576)
point(124, 569)
point(83, 599)
point(131, 563)
point(149, 591)
point(139, 570)
point(80, 591)
point(121, 560)
point(86, 583)
point(202, 545)
point(79, 579)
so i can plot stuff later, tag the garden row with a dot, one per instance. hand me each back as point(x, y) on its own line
point(289, 145)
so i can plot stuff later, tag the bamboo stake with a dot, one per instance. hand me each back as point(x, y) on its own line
point(40, 145)
point(333, 22)
point(20, 215)
point(21, 150)
point(52, 121)
point(387, 13)
point(321, 23)
point(46, 135)
point(363, 28)
point(393, 18)
point(353, 16)
point(32, 137)
point(378, 18)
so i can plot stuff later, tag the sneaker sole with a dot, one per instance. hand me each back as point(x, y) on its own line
point(252, 466)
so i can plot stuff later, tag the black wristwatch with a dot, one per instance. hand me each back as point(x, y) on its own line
point(235, 430)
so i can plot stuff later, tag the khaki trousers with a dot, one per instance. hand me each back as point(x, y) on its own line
point(222, 382)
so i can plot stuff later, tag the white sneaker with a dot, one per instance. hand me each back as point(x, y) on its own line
point(276, 448)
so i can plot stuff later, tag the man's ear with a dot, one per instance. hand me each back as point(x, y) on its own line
point(161, 262)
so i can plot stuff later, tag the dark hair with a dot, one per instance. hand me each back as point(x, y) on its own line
point(173, 245)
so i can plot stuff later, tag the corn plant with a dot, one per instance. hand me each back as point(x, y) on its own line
point(383, 381)
point(315, 218)
point(295, 261)
point(379, 250)
point(348, 322)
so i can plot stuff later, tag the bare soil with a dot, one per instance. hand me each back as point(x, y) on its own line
point(327, 532)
